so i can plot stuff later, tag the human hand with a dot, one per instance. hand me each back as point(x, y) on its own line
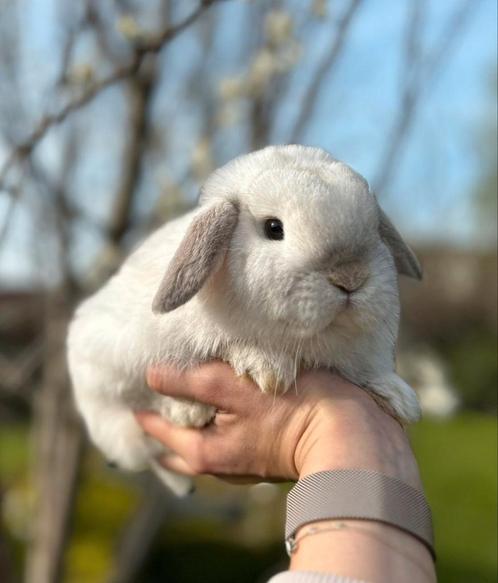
point(325, 423)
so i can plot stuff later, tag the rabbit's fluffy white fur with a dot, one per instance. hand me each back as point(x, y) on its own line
point(222, 289)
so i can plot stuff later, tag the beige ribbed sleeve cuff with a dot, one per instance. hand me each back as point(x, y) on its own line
point(311, 577)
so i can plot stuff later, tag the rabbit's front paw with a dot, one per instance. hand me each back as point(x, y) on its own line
point(271, 382)
point(399, 395)
point(187, 413)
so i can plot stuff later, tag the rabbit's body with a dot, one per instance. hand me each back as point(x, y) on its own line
point(326, 295)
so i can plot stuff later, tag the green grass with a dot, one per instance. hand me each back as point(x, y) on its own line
point(104, 504)
point(458, 460)
point(13, 452)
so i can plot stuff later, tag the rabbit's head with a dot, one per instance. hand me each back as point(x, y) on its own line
point(291, 240)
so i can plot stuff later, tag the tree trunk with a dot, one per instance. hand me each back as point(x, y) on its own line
point(58, 446)
point(140, 533)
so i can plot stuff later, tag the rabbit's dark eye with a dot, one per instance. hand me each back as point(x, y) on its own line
point(274, 229)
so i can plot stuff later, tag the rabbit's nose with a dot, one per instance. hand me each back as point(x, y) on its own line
point(348, 279)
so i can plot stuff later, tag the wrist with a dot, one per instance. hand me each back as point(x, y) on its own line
point(347, 429)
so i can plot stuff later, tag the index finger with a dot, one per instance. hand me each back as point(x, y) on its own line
point(213, 383)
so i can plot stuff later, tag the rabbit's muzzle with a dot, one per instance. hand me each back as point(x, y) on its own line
point(349, 278)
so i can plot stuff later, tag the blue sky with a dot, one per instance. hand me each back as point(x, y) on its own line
point(431, 193)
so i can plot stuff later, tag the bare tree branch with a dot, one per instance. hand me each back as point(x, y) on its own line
point(324, 70)
point(419, 82)
point(57, 431)
point(151, 45)
point(18, 371)
point(140, 92)
point(138, 536)
point(59, 446)
point(9, 212)
point(7, 574)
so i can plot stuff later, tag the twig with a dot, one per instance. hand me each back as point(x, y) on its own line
point(415, 86)
point(309, 100)
point(9, 212)
point(137, 538)
point(141, 91)
point(151, 45)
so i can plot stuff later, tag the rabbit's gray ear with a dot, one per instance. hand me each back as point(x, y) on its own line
point(199, 254)
point(404, 258)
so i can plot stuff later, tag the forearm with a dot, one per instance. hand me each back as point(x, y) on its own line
point(364, 438)
point(365, 550)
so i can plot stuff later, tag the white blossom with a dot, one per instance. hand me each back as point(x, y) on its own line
point(232, 88)
point(202, 159)
point(128, 27)
point(278, 27)
point(426, 372)
point(262, 70)
point(80, 74)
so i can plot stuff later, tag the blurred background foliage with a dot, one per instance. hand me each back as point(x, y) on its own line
point(112, 113)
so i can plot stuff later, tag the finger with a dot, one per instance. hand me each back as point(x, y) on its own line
point(248, 479)
point(177, 464)
point(238, 480)
point(214, 383)
point(203, 449)
point(182, 440)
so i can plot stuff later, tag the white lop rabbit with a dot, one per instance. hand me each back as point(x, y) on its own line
point(287, 263)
